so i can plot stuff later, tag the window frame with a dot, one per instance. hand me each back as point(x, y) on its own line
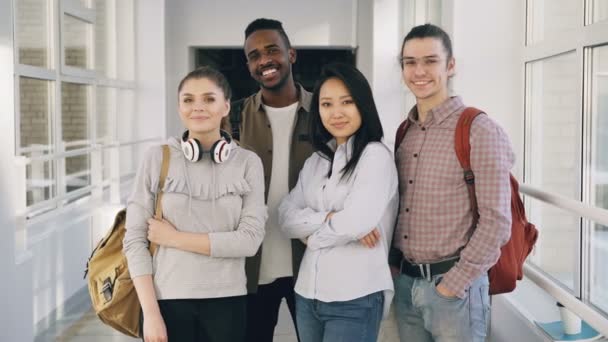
point(59, 73)
point(583, 39)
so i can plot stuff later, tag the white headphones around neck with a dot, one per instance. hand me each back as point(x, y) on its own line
point(220, 151)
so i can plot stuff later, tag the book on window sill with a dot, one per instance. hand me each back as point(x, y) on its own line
point(556, 332)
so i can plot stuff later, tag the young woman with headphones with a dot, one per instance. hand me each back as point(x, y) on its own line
point(194, 287)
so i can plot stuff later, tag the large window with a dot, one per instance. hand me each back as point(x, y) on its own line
point(599, 173)
point(566, 59)
point(599, 10)
point(549, 19)
point(69, 86)
point(555, 123)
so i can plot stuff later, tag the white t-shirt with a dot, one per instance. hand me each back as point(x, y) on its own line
point(276, 250)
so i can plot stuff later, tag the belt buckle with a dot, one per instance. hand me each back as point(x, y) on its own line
point(425, 274)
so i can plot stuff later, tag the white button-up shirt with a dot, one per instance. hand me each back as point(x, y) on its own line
point(336, 266)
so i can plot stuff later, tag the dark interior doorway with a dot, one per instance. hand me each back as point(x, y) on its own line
point(232, 63)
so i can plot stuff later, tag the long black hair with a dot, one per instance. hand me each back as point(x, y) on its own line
point(361, 93)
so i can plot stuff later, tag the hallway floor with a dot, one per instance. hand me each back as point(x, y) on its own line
point(90, 329)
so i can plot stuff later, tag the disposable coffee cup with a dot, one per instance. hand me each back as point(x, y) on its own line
point(571, 323)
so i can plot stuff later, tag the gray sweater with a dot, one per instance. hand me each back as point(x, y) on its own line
point(225, 200)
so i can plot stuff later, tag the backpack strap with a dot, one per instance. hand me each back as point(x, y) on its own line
point(164, 170)
point(462, 145)
point(401, 133)
point(236, 111)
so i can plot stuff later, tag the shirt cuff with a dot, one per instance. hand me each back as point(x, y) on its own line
point(140, 269)
point(457, 282)
point(317, 218)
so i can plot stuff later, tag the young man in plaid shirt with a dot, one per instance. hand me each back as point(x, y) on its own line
point(440, 258)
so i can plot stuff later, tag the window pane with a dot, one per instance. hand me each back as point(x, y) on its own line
point(106, 163)
point(126, 116)
point(40, 181)
point(77, 172)
point(76, 42)
point(36, 104)
point(551, 18)
point(127, 160)
point(104, 40)
point(74, 117)
point(85, 3)
point(554, 159)
point(600, 10)
point(32, 31)
point(105, 114)
point(599, 175)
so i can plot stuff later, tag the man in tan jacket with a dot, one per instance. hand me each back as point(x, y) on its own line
point(273, 123)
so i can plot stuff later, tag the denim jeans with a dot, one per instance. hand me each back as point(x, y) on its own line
point(425, 315)
point(348, 321)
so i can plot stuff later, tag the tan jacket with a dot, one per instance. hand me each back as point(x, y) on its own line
point(256, 135)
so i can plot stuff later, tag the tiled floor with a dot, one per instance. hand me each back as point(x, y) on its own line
point(80, 324)
point(90, 329)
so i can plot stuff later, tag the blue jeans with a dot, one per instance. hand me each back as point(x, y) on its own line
point(425, 315)
point(348, 321)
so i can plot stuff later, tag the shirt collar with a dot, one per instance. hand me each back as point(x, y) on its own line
point(347, 148)
point(304, 99)
point(441, 112)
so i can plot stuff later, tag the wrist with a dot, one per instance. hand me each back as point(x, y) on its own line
point(151, 310)
point(174, 240)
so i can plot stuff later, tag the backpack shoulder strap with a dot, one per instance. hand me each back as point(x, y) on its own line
point(462, 136)
point(401, 133)
point(462, 145)
point(236, 112)
point(164, 170)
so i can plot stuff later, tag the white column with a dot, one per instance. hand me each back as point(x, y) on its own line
point(16, 287)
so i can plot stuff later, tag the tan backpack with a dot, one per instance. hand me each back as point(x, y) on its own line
point(111, 289)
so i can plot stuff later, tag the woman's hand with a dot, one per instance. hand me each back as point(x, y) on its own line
point(162, 232)
point(154, 328)
point(371, 239)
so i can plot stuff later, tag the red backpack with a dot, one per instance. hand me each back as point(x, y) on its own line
point(509, 267)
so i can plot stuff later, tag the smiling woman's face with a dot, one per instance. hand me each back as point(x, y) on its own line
point(202, 105)
point(339, 113)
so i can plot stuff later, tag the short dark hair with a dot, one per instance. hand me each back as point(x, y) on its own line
point(361, 93)
point(429, 31)
point(267, 24)
point(210, 73)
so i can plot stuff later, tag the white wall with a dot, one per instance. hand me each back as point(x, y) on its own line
point(386, 85)
point(194, 23)
point(150, 69)
point(48, 271)
point(365, 37)
point(15, 287)
point(488, 39)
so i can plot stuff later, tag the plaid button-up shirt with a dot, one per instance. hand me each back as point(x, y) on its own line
point(435, 221)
